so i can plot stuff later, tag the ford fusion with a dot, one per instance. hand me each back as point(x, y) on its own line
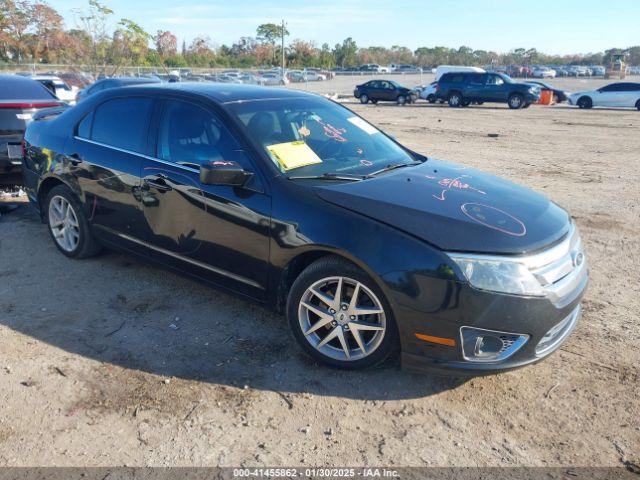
point(296, 202)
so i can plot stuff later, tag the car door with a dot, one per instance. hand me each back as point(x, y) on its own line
point(495, 89)
point(475, 86)
point(373, 90)
point(608, 96)
point(216, 232)
point(105, 155)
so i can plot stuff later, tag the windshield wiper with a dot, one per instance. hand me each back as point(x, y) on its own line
point(394, 166)
point(331, 176)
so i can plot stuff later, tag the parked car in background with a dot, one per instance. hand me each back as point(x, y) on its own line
point(107, 83)
point(442, 69)
point(273, 78)
point(376, 91)
point(58, 87)
point(543, 72)
point(558, 94)
point(460, 89)
point(404, 68)
point(298, 203)
point(313, 75)
point(20, 99)
point(622, 94)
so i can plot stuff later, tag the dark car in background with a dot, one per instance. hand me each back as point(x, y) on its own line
point(107, 83)
point(461, 89)
point(558, 94)
point(295, 201)
point(20, 99)
point(376, 91)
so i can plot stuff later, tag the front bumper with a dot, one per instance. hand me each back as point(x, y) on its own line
point(430, 313)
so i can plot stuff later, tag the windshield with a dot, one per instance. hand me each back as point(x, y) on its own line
point(315, 137)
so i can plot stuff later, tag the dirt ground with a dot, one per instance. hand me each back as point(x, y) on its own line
point(109, 361)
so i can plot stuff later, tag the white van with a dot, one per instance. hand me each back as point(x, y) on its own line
point(442, 69)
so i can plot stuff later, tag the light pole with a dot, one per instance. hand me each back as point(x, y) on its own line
point(284, 26)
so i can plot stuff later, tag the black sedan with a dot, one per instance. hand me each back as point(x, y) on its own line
point(296, 202)
point(558, 95)
point(20, 99)
point(385, 91)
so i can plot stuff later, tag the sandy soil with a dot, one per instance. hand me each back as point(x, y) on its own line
point(109, 361)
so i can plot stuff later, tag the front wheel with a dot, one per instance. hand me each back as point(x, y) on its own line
point(585, 103)
point(638, 104)
point(364, 99)
point(340, 317)
point(515, 101)
point(68, 224)
point(431, 98)
point(401, 100)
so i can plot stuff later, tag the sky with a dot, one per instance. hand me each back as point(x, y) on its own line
point(551, 26)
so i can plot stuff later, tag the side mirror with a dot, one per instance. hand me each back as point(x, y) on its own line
point(224, 172)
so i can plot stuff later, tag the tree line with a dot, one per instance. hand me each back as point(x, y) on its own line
point(31, 31)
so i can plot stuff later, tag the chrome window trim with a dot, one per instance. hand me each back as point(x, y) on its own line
point(131, 152)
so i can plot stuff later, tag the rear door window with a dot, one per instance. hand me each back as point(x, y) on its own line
point(459, 78)
point(123, 123)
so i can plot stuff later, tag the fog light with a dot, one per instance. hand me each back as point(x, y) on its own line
point(480, 345)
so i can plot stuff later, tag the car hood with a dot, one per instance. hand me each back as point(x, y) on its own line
point(455, 208)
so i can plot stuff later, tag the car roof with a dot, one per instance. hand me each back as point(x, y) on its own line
point(131, 80)
point(224, 92)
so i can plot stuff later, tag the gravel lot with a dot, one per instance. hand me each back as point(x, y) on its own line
point(109, 361)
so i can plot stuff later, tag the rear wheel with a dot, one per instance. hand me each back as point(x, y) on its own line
point(466, 103)
point(585, 102)
point(339, 316)
point(68, 224)
point(515, 101)
point(364, 98)
point(455, 99)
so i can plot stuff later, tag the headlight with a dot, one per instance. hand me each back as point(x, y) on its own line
point(498, 275)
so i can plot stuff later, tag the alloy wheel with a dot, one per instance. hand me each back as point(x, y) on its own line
point(64, 225)
point(342, 318)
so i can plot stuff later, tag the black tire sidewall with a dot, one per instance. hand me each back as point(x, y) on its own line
point(86, 244)
point(511, 97)
point(451, 96)
point(335, 266)
point(585, 103)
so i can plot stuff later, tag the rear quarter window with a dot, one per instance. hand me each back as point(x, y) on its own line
point(24, 90)
point(122, 123)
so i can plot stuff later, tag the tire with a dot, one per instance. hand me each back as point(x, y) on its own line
point(466, 103)
point(638, 105)
point(455, 99)
point(585, 103)
point(526, 105)
point(431, 98)
point(364, 99)
point(401, 100)
point(515, 101)
point(479, 103)
point(323, 276)
point(374, 102)
point(73, 235)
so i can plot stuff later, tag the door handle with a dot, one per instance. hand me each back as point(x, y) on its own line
point(74, 158)
point(158, 183)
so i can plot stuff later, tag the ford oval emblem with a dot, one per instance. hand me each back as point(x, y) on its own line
point(578, 258)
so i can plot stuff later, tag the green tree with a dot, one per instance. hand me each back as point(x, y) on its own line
point(345, 53)
point(270, 34)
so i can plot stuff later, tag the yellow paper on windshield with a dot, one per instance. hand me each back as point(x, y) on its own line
point(290, 155)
